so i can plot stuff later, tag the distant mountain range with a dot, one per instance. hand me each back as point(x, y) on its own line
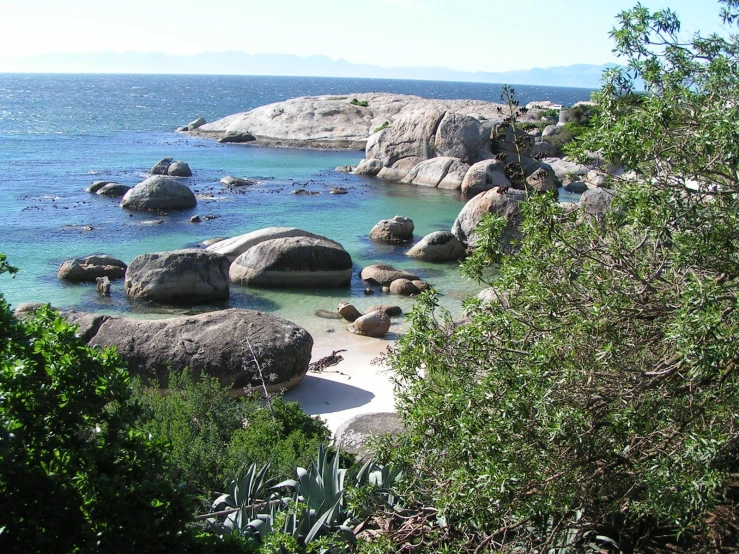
point(240, 63)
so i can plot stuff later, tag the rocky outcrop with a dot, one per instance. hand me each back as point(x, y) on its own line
point(374, 324)
point(461, 136)
point(500, 201)
point(159, 193)
point(444, 172)
point(383, 274)
point(370, 167)
point(542, 180)
point(237, 137)
point(199, 122)
point(89, 268)
point(219, 344)
point(331, 121)
point(564, 168)
point(396, 230)
point(179, 277)
point(233, 248)
point(439, 246)
point(293, 262)
point(483, 176)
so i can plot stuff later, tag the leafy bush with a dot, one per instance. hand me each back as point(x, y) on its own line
point(595, 403)
point(75, 473)
point(360, 103)
point(212, 434)
point(383, 126)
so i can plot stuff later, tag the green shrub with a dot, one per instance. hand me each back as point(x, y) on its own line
point(383, 126)
point(360, 103)
point(75, 473)
point(212, 435)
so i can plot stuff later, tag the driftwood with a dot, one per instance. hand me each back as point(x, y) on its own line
point(327, 361)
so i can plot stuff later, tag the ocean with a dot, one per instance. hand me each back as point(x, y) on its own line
point(59, 133)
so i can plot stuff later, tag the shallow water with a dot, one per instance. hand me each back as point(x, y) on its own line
point(60, 133)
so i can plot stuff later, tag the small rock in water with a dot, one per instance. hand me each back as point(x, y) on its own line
point(209, 217)
point(195, 219)
point(103, 286)
point(368, 291)
point(338, 190)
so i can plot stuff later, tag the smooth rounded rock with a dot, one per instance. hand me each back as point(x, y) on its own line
point(403, 287)
point(577, 187)
point(233, 248)
point(178, 277)
point(399, 229)
point(222, 344)
point(293, 262)
point(392, 311)
point(383, 274)
point(348, 311)
point(113, 190)
point(199, 122)
point(179, 169)
point(596, 202)
point(542, 180)
point(89, 268)
point(483, 176)
point(374, 324)
point(501, 201)
point(439, 246)
point(97, 185)
point(162, 166)
point(159, 193)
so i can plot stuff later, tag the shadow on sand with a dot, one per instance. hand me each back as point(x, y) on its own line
point(321, 396)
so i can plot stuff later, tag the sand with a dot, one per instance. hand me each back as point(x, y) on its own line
point(353, 387)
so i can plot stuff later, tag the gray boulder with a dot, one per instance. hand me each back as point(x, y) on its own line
point(355, 435)
point(199, 122)
point(159, 193)
point(412, 135)
point(543, 149)
point(439, 246)
point(89, 268)
point(113, 190)
point(577, 187)
point(374, 324)
point(237, 137)
point(344, 169)
point(596, 202)
point(396, 230)
point(96, 186)
point(348, 311)
point(403, 287)
point(179, 169)
point(370, 167)
point(214, 344)
point(162, 166)
point(459, 136)
point(399, 169)
point(233, 248)
point(383, 274)
point(500, 201)
point(564, 168)
point(550, 130)
point(293, 262)
point(483, 176)
point(442, 172)
point(597, 178)
point(178, 277)
point(542, 180)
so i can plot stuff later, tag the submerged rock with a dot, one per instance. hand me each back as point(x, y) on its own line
point(231, 181)
point(232, 248)
point(383, 274)
point(113, 190)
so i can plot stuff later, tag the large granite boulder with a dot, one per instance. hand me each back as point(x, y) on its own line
point(439, 246)
point(159, 193)
point(500, 201)
point(396, 230)
point(459, 136)
point(89, 268)
point(348, 311)
point(97, 185)
point(179, 169)
point(412, 135)
point(564, 168)
point(596, 202)
point(162, 166)
point(374, 324)
point(356, 435)
point(199, 122)
point(233, 248)
point(403, 287)
point(113, 190)
point(483, 176)
point(399, 169)
point(178, 277)
point(369, 167)
point(542, 180)
point(219, 344)
point(293, 262)
point(383, 274)
point(442, 172)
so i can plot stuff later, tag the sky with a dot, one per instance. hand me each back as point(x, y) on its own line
point(466, 35)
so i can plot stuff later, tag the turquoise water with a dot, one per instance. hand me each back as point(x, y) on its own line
point(60, 133)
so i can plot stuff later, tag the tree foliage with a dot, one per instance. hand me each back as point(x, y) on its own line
point(594, 403)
